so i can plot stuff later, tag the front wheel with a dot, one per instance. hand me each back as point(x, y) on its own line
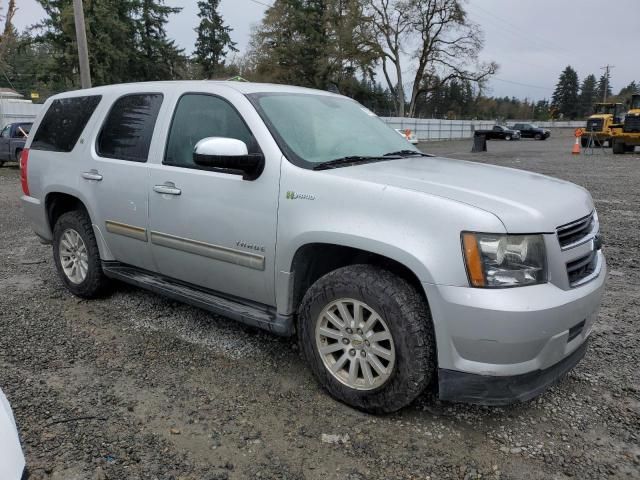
point(368, 338)
point(76, 255)
point(507, 137)
point(538, 136)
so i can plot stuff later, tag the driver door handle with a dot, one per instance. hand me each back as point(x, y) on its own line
point(168, 188)
point(92, 175)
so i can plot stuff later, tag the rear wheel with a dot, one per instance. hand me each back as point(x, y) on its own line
point(618, 147)
point(368, 338)
point(630, 148)
point(584, 142)
point(76, 255)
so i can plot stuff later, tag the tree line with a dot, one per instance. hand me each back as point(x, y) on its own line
point(398, 57)
point(573, 99)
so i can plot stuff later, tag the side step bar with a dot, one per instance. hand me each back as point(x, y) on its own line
point(253, 314)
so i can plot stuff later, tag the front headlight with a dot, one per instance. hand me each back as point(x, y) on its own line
point(500, 261)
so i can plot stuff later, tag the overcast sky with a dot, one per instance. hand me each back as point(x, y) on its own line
point(532, 40)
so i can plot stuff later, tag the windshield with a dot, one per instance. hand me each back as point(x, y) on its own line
point(313, 129)
point(603, 109)
point(635, 102)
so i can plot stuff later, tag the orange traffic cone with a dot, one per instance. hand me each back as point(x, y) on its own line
point(576, 147)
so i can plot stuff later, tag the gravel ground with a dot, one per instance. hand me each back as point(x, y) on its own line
point(135, 386)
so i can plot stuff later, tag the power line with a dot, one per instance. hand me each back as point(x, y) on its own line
point(607, 68)
point(261, 3)
point(522, 84)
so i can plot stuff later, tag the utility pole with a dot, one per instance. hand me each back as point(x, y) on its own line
point(83, 50)
point(606, 68)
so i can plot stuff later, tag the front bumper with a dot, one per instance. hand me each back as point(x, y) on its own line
point(494, 391)
point(510, 333)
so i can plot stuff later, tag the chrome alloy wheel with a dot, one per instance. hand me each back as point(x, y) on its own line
point(355, 344)
point(73, 256)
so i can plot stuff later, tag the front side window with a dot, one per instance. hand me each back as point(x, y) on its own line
point(64, 122)
point(313, 128)
point(5, 131)
point(127, 131)
point(199, 116)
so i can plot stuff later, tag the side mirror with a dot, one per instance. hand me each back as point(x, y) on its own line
point(228, 155)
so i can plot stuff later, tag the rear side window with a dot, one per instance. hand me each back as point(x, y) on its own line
point(127, 131)
point(64, 122)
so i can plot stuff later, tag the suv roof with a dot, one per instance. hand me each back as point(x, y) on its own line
point(242, 87)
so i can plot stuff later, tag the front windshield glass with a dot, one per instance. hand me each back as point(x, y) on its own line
point(319, 128)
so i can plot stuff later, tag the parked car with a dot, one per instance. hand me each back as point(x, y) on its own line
point(395, 269)
point(499, 132)
point(528, 130)
point(408, 135)
point(12, 463)
point(12, 141)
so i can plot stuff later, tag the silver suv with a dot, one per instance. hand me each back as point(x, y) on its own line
point(301, 212)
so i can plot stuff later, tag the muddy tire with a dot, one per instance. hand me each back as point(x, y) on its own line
point(76, 255)
point(381, 383)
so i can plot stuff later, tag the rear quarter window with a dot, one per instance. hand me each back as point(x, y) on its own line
point(64, 122)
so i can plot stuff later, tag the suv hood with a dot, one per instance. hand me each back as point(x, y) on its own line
point(525, 202)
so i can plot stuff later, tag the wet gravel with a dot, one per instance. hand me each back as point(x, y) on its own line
point(134, 386)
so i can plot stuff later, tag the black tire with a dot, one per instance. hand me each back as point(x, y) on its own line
point(618, 147)
point(629, 148)
point(407, 315)
point(507, 137)
point(1, 163)
point(538, 136)
point(584, 142)
point(95, 283)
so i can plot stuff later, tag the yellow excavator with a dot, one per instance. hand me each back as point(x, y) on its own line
point(598, 129)
point(626, 137)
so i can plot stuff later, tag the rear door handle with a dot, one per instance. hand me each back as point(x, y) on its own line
point(92, 175)
point(167, 189)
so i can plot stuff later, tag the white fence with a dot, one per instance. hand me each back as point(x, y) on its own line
point(12, 111)
point(433, 129)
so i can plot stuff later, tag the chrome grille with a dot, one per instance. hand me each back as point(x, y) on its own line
point(575, 231)
point(582, 267)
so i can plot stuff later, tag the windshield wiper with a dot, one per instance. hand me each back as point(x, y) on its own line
point(352, 160)
point(407, 153)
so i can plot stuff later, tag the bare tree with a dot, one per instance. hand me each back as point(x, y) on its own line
point(435, 36)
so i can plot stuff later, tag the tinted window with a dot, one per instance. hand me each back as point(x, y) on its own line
point(200, 116)
point(64, 122)
point(5, 131)
point(127, 131)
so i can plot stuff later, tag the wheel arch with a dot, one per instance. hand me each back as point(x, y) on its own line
point(315, 259)
point(60, 201)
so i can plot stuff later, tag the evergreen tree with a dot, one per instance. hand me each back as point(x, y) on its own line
point(126, 38)
point(604, 82)
point(587, 95)
point(213, 42)
point(159, 58)
point(313, 43)
point(565, 96)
